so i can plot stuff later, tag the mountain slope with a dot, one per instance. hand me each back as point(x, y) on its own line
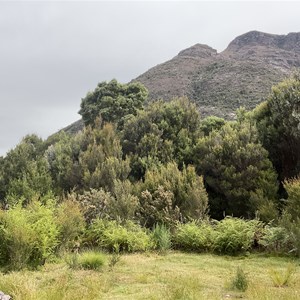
point(219, 83)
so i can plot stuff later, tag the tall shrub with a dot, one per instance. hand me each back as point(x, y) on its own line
point(28, 235)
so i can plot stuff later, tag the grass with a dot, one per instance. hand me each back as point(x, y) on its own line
point(152, 276)
point(89, 260)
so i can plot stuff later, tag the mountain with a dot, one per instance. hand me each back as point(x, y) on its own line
point(219, 83)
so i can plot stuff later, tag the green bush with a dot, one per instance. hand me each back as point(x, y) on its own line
point(89, 260)
point(292, 227)
point(193, 236)
point(161, 237)
point(94, 203)
point(71, 224)
point(110, 235)
point(275, 239)
point(28, 235)
point(292, 187)
point(233, 235)
point(169, 195)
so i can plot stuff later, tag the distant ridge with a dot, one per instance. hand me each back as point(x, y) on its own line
point(219, 83)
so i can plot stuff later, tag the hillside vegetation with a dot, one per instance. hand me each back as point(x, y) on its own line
point(155, 177)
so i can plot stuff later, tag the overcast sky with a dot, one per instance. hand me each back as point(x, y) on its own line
point(53, 53)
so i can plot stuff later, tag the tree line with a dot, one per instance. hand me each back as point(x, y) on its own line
point(160, 162)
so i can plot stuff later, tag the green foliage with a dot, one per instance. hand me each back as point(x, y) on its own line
point(278, 122)
point(165, 131)
point(280, 278)
point(92, 159)
point(240, 281)
point(94, 204)
point(290, 219)
point(71, 224)
point(292, 187)
point(108, 235)
point(169, 195)
point(292, 226)
point(233, 235)
point(88, 260)
point(158, 206)
point(91, 260)
point(275, 239)
point(124, 205)
point(194, 236)
point(115, 257)
point(161, 236)
point(101, 158)
point(113, 101)
point(238, 175)
point(62, 159)
point(24, 172)
point(28, 236)
point(119, 205)
point(211, 123)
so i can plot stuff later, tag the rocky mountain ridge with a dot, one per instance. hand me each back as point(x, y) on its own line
point(219, 83)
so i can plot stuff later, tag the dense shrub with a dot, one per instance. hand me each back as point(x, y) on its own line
point(158, 207)
point(292, 227)
point(124, 205)
point(292, 186)
point(111, 235)
point(169, 195)
point(28, 236)
point(290, 219)
point(193, 236)
point(233, 235)
point(71, 224)
point(94, 204)
point(275, 239)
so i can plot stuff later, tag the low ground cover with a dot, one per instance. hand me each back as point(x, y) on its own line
point(175, 275)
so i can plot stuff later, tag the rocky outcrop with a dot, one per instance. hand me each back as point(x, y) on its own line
point(198, 51)
point(219, 83)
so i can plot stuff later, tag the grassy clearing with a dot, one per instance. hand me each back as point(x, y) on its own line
point(151, 276)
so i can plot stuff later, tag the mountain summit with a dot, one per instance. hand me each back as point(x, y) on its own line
point(219, 83)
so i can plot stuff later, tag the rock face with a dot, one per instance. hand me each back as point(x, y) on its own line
point(241, 75)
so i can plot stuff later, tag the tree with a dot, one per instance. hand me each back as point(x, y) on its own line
point(278, 123)
point(163, 132)
point(238, 175)
point(24, 172)
point(101, 159)
point(62, 158)
point(113, 101)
